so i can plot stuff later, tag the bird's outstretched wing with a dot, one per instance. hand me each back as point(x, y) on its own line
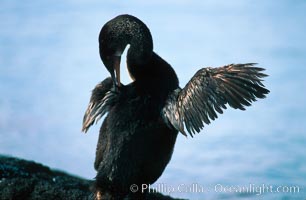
point(102, 98)
point(208, 92)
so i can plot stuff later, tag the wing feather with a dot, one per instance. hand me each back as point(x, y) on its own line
point(102, 98)
point(209, 91)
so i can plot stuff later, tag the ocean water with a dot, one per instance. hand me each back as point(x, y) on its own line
point(49, 63)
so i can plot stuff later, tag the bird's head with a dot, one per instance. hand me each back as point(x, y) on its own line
point(115, 35)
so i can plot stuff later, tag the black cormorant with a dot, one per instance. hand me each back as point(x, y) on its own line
point(137, 136)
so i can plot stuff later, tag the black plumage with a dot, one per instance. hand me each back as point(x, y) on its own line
point(137, 137)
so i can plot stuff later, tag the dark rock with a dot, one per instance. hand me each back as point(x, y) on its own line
point(21, 179)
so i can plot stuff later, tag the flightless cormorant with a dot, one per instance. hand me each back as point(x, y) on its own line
point(137, 136)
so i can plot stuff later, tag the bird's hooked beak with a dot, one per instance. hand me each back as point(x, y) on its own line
point(116, 71)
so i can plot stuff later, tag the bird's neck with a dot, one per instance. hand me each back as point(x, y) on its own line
point(155, 78)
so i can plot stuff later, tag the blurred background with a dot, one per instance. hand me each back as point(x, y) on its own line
point(49, 63)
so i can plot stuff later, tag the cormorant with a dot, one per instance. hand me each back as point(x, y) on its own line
point(138, 135)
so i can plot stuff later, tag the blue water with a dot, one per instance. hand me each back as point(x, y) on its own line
point(49, 62)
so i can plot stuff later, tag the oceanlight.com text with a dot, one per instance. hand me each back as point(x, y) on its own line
point(256, 189)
